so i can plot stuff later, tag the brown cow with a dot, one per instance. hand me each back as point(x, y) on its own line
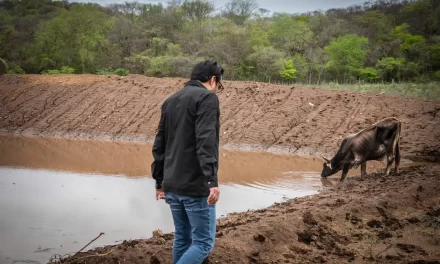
point(373, 143)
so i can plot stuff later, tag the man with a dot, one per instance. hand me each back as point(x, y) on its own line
point(186, 152)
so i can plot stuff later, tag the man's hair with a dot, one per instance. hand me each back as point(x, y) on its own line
point(203, 71)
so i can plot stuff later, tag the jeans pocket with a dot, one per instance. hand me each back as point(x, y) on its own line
point(196, 203)
point(167, 198)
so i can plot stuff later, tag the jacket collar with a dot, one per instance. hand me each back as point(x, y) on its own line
point(195, 83)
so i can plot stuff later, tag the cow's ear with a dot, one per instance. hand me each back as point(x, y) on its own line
point(329, 165)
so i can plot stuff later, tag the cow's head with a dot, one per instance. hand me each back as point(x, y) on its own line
point(327, 169)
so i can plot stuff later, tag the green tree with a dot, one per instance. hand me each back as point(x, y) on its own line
point(375, 25)
point(288, 72)
point(197, 10)
point(347, 54)
point(259, 31)
point(19, 21)
point(226, 42)
point(420, 15)
point(434, 54)
point(368, 74)
point(289, 34)
point(390, 68)
point(73, 38)
point(267, 62)
point(302, 67)
point(239, 10)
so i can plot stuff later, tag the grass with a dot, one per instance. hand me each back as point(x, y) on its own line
point(429, 91)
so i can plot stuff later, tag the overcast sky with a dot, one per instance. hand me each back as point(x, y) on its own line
point(289, 6)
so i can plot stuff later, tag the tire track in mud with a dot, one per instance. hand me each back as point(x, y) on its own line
point(53, 111)
point(251, 113)
point(231, 118)
point(65, 112)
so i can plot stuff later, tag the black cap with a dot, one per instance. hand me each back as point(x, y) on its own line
point(203, 71)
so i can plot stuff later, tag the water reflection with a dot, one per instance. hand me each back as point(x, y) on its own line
point(57, 194)
point(47, 212)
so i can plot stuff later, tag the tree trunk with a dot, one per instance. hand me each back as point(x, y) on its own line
point(320, 74)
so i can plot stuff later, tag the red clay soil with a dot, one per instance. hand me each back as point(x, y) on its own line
point(293, 119)
point(391, 219)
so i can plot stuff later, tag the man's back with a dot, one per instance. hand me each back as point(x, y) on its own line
point(185, 165)
point(190, 132)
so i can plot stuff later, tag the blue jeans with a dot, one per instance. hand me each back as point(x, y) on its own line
point(194, 223)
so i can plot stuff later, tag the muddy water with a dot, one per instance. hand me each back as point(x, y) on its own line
point(56, 194)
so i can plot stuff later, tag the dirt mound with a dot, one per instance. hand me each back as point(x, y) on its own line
point(376, 220)
point(283, 118)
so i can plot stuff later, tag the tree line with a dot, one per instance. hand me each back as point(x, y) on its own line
point(378, 41)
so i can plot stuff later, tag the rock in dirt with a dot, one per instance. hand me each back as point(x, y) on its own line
point(308, 219)
point(154, 260)
point(259, 238)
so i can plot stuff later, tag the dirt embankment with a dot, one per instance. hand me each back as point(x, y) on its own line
point(294, 119)
point(391, 219)
point(377, 220)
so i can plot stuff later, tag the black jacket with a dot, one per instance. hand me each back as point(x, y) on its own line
point(186, 147)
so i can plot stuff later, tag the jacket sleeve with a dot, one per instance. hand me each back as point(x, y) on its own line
point(207, 137)
point(159, 152)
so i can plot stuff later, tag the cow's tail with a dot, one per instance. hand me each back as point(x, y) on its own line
point(397, 158)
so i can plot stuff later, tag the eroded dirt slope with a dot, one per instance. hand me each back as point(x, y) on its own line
point(377, 220)
point(301, 120)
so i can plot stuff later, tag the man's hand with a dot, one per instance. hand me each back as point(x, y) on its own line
point(160, 194)
point(214, 194)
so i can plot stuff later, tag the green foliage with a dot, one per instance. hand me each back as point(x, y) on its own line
point(121, 72)
point(347, 53)
point(369, 74)
point(382, 41)
point(289, 34)
point(259, 34)
point(434, 54)
point(105, 71)
point(161, 66)
point(16, 70)
point(425, 90)
point(3, 67)
point(109, 71)
point(197, 10)
point(302, 66)
point(410, 40)
point(239, 10)
point(267, 62)
point(390, 68)
point(288, 72)
point(63, 70)
point(74, 37)
point(375, 24)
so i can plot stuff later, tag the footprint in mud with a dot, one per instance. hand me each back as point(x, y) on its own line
point(409, 248)
point(326, 183)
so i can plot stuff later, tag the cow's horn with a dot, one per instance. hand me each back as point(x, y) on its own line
point(326, 160)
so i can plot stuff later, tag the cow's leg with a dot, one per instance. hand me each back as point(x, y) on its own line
point(344, 172)
point(363, 170)
point(396, 169)
point(390, 159)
